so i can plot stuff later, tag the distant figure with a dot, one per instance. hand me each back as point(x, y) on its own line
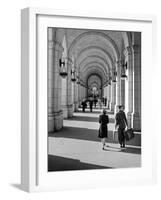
point(120, 125)
point(91, 105)
point(84, 105)
point(105, 102)
point(99, 103)
point(103, 129)
point(95, 102)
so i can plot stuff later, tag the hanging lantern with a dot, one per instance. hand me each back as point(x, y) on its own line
point(63, 69)
point(114, 77)
point(73, 76)
point(123, 71)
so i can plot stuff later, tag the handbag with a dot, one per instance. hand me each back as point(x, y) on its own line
point(129, 134)
point(100, 131)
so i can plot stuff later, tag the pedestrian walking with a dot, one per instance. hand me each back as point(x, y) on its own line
point(103, 129)
point(120, 125)
point(91, 105)
point(84, 105)
point(99, 103)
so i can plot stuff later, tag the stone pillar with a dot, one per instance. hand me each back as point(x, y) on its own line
point(69, 91)
point(55, 114)
point(136, 116)
point(129, 60)
point(118, 85)
point(123, 92)
point(64, 98)
point(109, 97)
point(79, 94)
point(113, 96)
point(76, 103)
point(50, 80)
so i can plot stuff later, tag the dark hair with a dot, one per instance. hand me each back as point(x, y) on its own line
point(104, 111)
point(120, 106)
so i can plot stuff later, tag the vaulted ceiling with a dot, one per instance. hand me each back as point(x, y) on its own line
point(95, 52)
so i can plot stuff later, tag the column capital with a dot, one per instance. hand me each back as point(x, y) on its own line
point(69, 61)
point(55, 45)
point(128, 51)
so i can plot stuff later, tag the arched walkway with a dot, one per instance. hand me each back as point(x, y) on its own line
point(101, 68)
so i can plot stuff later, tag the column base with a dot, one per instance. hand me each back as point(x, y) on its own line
point(112, 106)
point(50, 123)
point(55, 121)
point(76, 104)
point(136, 121)
point(65, 111)
point(79, 104)
point(58, 120)
point(129, 119)
point(70, 110)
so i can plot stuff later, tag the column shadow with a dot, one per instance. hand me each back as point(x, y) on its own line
point(59, 163)
point(91, 135)
point(89, 119)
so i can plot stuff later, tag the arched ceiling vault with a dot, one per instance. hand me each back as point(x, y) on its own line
point(100, 36)
point(97, 66)
point(100, 51)
point(94, 58)
point(94, 70)
point(94, 79)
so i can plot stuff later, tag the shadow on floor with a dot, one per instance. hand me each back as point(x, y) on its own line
point(131, 150)
point(125, 150)
point(90, 135)
point(89, 119)
point(77, 133)
point(57, 163)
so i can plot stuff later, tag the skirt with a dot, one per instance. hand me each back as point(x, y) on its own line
point(103, 131)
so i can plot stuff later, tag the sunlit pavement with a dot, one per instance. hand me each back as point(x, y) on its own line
point(78, 147)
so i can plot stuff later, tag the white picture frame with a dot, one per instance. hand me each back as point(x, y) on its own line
point(33, 175)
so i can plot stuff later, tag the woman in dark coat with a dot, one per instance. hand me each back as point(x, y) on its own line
point(103, 130)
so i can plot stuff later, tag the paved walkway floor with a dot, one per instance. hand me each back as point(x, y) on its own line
point(77, 147)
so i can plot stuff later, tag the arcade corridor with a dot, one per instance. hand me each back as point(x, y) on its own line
point(92, 68)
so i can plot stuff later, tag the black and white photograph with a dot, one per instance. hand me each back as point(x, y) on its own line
point(94, 99)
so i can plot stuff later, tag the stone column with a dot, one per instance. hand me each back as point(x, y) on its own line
point(50, 80)
point(76, 103)
point(55, 114)
point(79, 94)
point(109, 97)
point(123, 92)
point(129, 60)
point(136, 116)
point(118, 85)
point(64, 98)
point(69, 91)
point(73, 94)
point(113, 96)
